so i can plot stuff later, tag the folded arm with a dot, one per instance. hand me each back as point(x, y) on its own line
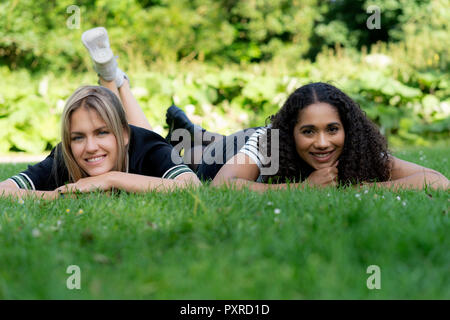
point(409, 175)
point(9, 188)
point(131, 183)
point(242, 172)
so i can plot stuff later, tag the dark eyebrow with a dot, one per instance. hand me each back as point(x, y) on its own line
point(310, 126)
point(101, 128)
point(96, 130)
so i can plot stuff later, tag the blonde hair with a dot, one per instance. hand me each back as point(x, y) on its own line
point(109, 108)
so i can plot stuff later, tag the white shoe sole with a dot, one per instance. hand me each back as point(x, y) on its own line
point(97, 42)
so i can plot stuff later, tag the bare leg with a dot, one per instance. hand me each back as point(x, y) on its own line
point(96, 40)
point(135, 115)
point(134, 112)
point(111, 85)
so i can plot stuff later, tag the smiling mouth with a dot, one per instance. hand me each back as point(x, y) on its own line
point(95, 160)
point(322, 156)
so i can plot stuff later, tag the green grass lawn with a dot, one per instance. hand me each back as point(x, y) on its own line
point(220, 244)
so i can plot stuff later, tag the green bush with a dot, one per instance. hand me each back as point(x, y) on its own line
point(36, 37)
point(229, 99)
point(230, 64)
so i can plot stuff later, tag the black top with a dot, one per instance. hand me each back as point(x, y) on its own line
point(149, 154)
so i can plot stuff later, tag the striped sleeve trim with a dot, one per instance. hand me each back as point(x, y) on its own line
point(23, 181)
point(176, 171)
point(252, 156)
point(251, 147)
point(29, 180)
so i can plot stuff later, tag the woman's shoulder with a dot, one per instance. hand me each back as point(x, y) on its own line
point(151, 155)
point(256, 132)
point(143, 138)
point(144, 142)
point(142, 133)
point(46, 175)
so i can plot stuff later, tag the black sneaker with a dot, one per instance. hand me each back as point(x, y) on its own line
point(177, 119)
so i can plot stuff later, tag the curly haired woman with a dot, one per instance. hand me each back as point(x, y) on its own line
point(319, 137)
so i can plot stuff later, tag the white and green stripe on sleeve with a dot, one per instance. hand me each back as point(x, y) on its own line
point(23, 181)
point(176, 171)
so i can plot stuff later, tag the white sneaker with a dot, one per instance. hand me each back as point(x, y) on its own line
point(97, 43)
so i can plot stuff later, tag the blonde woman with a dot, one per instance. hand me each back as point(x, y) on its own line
point(107, 143)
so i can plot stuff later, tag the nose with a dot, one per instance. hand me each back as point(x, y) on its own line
point(91, 145)
point(321, 141)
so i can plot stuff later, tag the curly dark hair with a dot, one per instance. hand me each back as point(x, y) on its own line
point(364, 157)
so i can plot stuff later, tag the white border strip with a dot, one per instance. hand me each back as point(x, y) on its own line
point(180, 165)
point(31, 182)
point(182, 174)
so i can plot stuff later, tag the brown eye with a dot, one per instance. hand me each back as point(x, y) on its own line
point(333, 129)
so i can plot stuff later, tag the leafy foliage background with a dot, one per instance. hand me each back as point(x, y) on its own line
point(229, 63)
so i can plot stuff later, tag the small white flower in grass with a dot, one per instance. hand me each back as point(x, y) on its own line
point(277, 211)
point(154, 226)
point(270, 203)
point(58, 223)
point(36, 233)
point(358, 195)
point(404, 203)
point(366, 191)
point(398, 198)
point(328, 194)
point(20, 201)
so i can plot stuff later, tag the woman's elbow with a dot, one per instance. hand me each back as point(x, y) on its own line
point(437, 180)
point(189, 180)
point(223, 179)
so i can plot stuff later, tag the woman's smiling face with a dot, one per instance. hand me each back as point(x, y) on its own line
point(94, 146)
point(319, 135)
